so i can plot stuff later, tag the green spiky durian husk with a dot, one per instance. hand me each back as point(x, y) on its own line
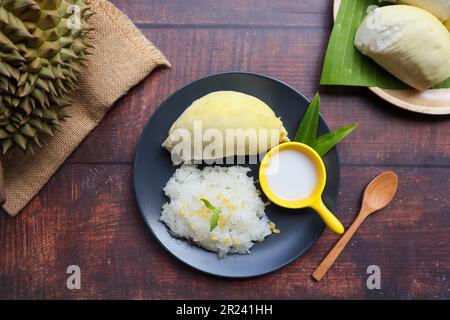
point(40, 57)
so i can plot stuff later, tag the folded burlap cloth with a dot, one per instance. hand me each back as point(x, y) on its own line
point(121, 58)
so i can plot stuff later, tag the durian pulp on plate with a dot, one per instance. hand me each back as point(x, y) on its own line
point(439, 8)
point(407, 41)
point(223, 124)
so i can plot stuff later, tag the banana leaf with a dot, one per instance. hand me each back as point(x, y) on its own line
point(344, 64)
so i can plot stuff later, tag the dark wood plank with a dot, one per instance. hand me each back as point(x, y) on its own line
point(87, 216)
point(386, 135)
point(215, 13)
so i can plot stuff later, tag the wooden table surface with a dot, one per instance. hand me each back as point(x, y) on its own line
point(87, 214)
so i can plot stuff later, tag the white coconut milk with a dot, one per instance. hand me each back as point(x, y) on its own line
point(291, 175)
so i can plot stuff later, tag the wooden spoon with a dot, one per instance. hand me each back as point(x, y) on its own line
point(378, 194)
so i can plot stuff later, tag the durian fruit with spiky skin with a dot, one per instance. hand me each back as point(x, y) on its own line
point(42, 47)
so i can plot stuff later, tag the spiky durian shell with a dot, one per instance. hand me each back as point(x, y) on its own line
point(40, 57)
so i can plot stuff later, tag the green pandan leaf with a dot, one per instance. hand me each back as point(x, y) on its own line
point(307, 130)
point(324, 143)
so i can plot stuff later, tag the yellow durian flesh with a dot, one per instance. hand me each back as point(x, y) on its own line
point(223, 110)
point(439, 8)
point(407, 41)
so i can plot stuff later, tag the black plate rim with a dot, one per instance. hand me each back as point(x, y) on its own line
point(141, 211)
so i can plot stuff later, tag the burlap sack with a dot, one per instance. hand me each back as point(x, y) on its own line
point(121, 58)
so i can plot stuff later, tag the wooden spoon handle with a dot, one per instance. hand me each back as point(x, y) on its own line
point(326, 263)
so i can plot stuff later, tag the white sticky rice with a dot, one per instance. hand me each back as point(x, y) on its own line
point(242, 220)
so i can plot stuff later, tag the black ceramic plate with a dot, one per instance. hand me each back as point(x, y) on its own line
point(153, 168)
